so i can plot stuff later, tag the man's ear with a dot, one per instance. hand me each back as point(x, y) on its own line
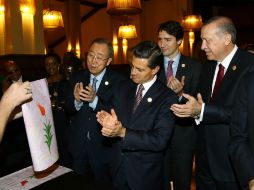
point(155, 70)
point(179, 42)
point(109, 61)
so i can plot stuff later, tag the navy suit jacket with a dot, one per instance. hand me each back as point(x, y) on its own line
point(185, 135)
point(216, 119)
point(242, 132)
point(139, 160)
point(85, 120)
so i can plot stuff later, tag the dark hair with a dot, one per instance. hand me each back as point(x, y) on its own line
point(106, 42)
point(225, 24)
point(172, 28)
point(52, 54)
point(148, 50)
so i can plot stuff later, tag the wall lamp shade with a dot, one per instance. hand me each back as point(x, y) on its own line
point(124, 7)
point(127, 32)
point(52, 19)
point(2, 9)
point(192, 22)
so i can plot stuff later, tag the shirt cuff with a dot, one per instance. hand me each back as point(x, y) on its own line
point(93, 104)
point(199, 119)
point(78, 105)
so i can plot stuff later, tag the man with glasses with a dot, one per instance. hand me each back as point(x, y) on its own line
point(89, 90)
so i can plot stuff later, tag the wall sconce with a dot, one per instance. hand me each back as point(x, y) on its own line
point(27, 6)
point(2, 8)
point(127, 32)
point(192, 23)
point(123, 7)
point(52, 19)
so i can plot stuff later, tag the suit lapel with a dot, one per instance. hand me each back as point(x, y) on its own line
point(146, 100)
point(105, 83)
point(230, 75)
point(181, 68)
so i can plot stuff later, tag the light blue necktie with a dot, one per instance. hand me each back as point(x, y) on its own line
point(94, 84)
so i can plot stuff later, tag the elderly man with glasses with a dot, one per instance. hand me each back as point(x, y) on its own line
point(89, 90)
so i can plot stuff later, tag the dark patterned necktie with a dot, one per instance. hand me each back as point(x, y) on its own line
point(138, 97)
point(169, 69)
point(219, 78)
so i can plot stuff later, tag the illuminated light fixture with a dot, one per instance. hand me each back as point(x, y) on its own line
point(192, 22)
point(2, 8)
point(127, 32)
point(123, 7)
point(52, 19)
point(27, 6)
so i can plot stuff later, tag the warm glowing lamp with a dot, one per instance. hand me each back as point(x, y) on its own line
point(52, 19)
point(192, 23)
point(123, 7)
point(127, 32)
point(27, 6)
point(2, 8)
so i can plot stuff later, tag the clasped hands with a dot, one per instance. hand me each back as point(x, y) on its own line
point(111, 126)
point(192, 108)
point(84, 94)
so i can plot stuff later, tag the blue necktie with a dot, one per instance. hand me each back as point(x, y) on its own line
point(94, 84)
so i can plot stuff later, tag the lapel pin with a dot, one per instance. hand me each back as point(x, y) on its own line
point(234, 67)
point(149, 99)
point(106, 83)
point(183, 65)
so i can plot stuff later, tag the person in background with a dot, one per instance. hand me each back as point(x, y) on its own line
point(141, 122)
point(180, 74)
point(250, 48)
point(212, 110)
point(90, 89)
point(12, 74)
point(242, 134)
point(14, 148)
point(57, 91)
point(15, 95)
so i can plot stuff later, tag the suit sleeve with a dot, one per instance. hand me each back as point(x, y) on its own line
point(241, 127)
point(156, 138)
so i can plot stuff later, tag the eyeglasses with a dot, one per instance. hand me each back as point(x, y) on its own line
point(99, 58)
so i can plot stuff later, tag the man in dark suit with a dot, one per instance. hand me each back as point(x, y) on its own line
point(141, 122)
point(213, 107)
point(242, 134)
point(185, 75)
point(89, 90)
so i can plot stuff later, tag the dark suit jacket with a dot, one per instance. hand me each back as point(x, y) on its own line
point(140, 153)
point(84, 120)
point(217, 115)
point(184, 136)
point(242, 132)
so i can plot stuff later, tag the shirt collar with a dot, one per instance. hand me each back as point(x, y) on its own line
point(175, 59)
point(148, 84)
point(228, 59)
point(98, 77)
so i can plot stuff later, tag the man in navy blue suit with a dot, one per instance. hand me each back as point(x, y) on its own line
point(141, 122)
point(218, 85)
point(89, 90)
point(184, 78)
point(242, 134)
